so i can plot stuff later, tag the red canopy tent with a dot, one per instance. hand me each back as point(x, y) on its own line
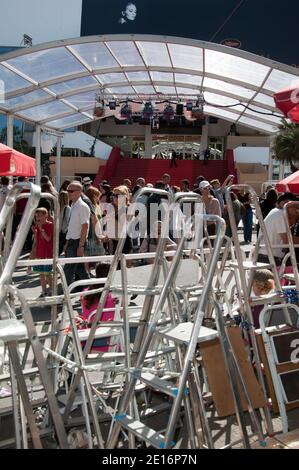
point(14, 163)
point(289, 184)
point(288, 102)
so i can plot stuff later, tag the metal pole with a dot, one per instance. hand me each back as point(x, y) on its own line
point(38, 154)
point(270, 161)
point(58, 163)
point(124, 280)
point(19, 240)
point(43, 370)
point(9, 137)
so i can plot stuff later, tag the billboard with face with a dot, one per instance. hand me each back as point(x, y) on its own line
point(253, 25)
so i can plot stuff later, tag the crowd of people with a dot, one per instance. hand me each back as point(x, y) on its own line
point(92, 218)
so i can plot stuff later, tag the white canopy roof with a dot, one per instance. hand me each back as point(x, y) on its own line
point(55, 84)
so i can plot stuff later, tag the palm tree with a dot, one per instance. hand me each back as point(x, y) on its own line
point(286, 145)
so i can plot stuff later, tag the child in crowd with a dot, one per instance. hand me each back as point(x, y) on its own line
point(262, 284)
point(43, 248)
point(89, 305)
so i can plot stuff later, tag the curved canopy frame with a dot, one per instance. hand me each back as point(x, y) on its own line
point(56, 84)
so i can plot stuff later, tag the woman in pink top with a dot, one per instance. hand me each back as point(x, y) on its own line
point(89, 305)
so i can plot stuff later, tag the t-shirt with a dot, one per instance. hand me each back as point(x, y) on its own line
point(44, 248)
point(79, 215)
point(275, 226)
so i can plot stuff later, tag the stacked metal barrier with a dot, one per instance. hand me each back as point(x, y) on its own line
point(164, 356)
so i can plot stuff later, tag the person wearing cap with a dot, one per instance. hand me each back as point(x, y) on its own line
point(77, 232)
point(140, 181)
point(86, 180)
point(276, 230)
point(211, 204)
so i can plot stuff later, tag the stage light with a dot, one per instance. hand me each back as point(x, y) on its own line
point(197, 111)
point(148, 111)
point(99, 109)
point(168, 112)
point(112, 105)
point(155, 122)
point(126, 111)
point(179, 109)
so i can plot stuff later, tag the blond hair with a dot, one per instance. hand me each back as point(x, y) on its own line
point(122, 190)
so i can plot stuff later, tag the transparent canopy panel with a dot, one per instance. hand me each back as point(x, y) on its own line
point(154, 54)
point(12, 81)
point(237, 68)
point(81, 100)
point(26, 98)
point(188, 78)
point(96, 55)
point(125, 53)
point(263, 114)
point(262, 117)
point(50, 84)
point(68, 121)
point(187, 91)
point(138, 76)
point(218, 99)
point(45, 111)
point(227, 87)
point(186, 57)
point(221, 113)
point(278, 80)
point(167, 90)
point(144, 90)
point(265, 99)
point(162, 76)
point(75, 84)
point(112, 78)
point(258, 125)
point(45, 65)
point(125, 90)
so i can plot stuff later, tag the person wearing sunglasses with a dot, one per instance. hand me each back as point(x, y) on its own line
point(77, 232)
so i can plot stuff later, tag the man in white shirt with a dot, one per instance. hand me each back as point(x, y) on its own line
point(76, 233)
point(276, 230)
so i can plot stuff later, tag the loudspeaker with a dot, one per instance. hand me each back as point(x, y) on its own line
point(179, 109)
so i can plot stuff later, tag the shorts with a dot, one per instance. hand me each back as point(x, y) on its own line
point(47, 269)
